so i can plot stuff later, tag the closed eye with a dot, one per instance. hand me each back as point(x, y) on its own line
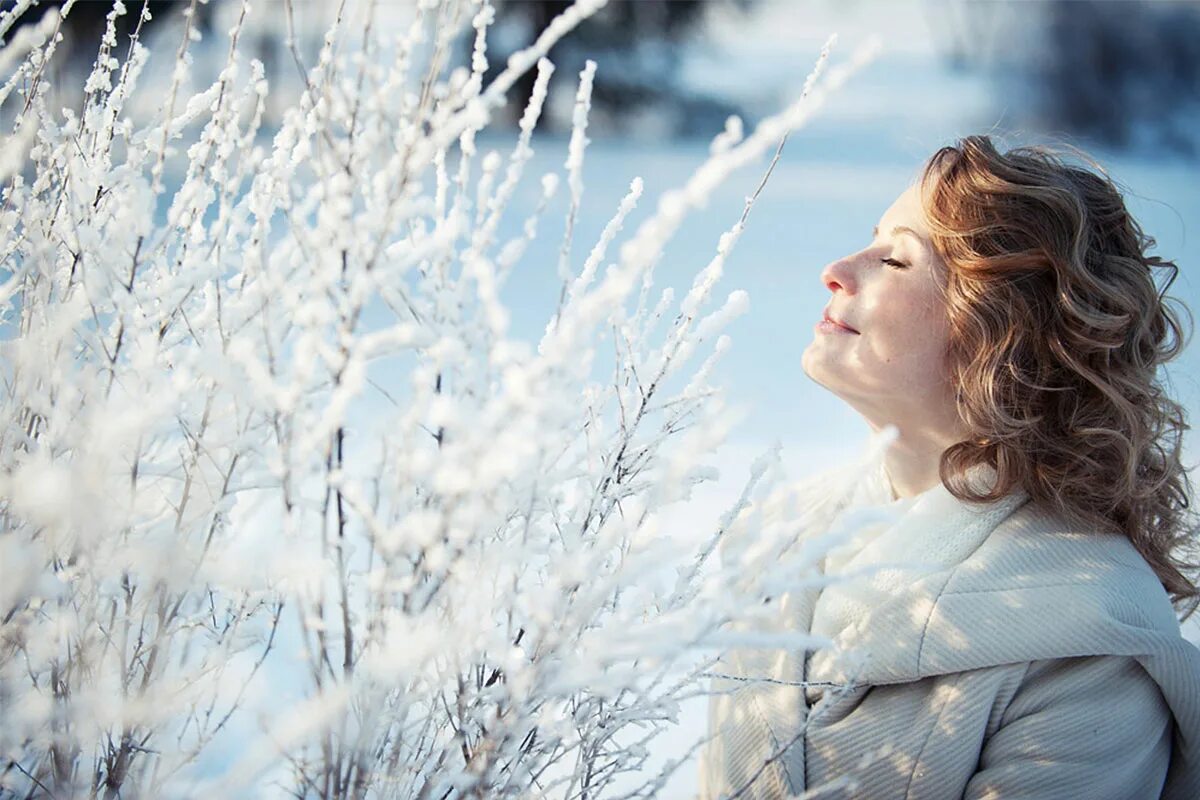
point(891, 262)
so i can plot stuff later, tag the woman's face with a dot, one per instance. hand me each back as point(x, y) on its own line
point(893, 369)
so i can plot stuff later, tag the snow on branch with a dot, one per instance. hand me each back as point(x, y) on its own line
point(284, 503)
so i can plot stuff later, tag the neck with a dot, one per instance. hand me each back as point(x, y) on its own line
point(912, 463)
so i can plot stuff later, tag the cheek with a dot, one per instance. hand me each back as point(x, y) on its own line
point(917, 341)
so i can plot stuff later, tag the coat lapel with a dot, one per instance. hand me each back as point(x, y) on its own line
point(900, 572)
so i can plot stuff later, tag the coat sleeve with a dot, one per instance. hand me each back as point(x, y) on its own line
point(1095, 727)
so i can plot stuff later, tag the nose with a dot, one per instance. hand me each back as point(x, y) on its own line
point(840, 275)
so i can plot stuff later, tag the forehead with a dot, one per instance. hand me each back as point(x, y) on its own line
point(905, 210)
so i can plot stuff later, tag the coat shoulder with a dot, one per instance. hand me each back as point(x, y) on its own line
point(1035, 553)
point(1072, 600)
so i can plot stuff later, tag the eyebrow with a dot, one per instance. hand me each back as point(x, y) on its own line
point(899, 229)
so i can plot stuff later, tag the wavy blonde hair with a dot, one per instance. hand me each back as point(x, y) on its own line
point(1057, 332)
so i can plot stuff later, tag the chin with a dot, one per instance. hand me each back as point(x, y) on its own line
point(804, 364)
point(814, 371)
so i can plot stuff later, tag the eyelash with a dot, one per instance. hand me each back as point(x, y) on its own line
point(891, 262)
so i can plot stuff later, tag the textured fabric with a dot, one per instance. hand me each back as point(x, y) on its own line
point(1032, 661)
point(934, 530)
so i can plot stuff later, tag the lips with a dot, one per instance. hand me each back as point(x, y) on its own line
point(837, 322)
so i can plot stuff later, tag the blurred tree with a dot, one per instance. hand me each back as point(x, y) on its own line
point(84, 24)
point(1124, 73)
point(637, 46)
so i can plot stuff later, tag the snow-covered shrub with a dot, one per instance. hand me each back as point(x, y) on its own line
point(455, 588)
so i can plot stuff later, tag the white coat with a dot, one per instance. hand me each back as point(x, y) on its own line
point(1045, 663)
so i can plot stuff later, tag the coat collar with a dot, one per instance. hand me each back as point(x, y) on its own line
point(1032, 590)
point(906, 559)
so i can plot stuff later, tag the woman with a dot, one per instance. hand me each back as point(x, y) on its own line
point(1012, 632)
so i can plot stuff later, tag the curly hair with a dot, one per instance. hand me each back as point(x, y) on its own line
point(1057, 329)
